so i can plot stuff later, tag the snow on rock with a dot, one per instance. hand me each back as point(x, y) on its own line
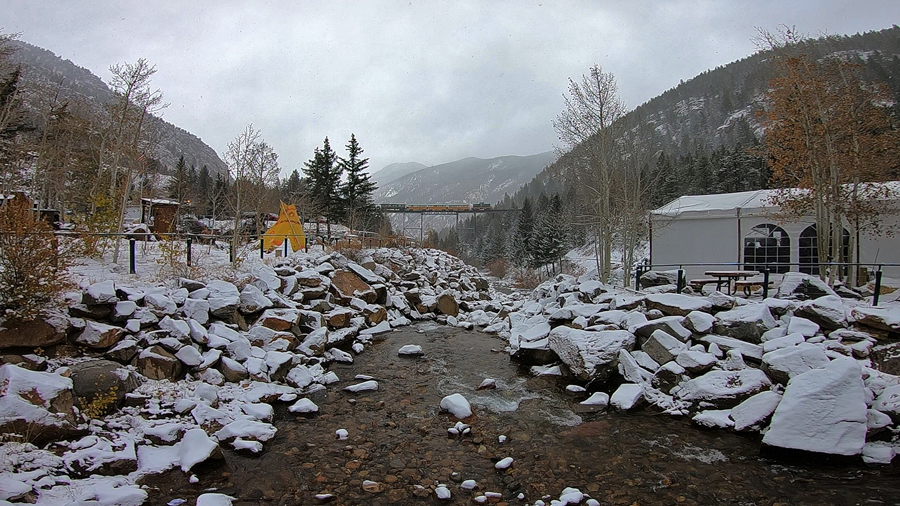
point(442, 492)
point(223, 298)
point(410, 350)
point(103, 292)
point(252, 300)
point(304, 406)
point(669, 324)
point(589, 354)
point(723, 388)
point(883, 317)
point(695, 362)
point(597, 399)
point(802, 326)
point(753, 412)
point(699, 321)
point(796, 285)
point(627, 396)
point(630, 369)
point(823, 410)
point(878, 453)
point(785, 363)
point(675, 304)
point(365, 386)
point(783, 342)
point(504, 463)
point(341, 434)
point(196, 309)
point(99, 335)
point(456, 405)
point(888, 402)
point(246, 429)
point(212, 499)
point(195, 448)
point(714, 419)
point(747, 323)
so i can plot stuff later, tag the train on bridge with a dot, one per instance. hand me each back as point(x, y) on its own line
point(434, 208)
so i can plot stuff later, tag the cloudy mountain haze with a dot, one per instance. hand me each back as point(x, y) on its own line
point(412, 80)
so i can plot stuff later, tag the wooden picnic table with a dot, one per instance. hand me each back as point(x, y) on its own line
point(729, 276)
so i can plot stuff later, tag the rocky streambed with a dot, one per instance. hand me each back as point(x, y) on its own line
point(398, 440)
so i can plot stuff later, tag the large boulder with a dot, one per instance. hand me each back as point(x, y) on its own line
point(345, 285)
point(446, 304)
point(724, 343)
point(797, 285)
point(36, 404)
point(103, 292)
point(662, 347)
point(724, 388)
point(100, 386)
point(589, 354)
point(747, 323)
point(823, 411)
point(669, 324)
point(658, 278)
point(753, 413)
point(675, 304)
point(38, 333)
point(224, 298)
point(827, 311)
point(883, 317)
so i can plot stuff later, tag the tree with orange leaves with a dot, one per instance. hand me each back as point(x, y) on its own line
point(827, 133)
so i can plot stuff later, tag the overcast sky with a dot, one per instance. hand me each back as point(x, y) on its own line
point(429, 82)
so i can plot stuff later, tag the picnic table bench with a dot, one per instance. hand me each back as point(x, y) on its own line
point(749, 284)
point(698, 284)
point(729, 276)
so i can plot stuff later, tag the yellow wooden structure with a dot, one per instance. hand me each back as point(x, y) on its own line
point(289, 227)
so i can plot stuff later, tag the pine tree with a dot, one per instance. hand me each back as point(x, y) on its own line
point(204, 189)
point(178, 185)
point(357, 191)
point(523, 237)
point(324, 179)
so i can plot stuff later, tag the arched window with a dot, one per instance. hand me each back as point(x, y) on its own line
point(809, 250)
point(766, 245)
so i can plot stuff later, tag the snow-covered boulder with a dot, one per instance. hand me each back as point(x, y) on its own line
point(669, 324)
point(223, 298)
point(699, 322)
point(253, 300)
point(196, 447)
point(888, 402)
point(783, 364)
point(627, 396)
point(36, 403)
point(802, 326)
point(748, 350)
point(883, 317)
point(714, 419)
point(589, 354)
point(823, 410)
point(755, 411)
point(103, 292)
point(456, 405)
point(797, 285)
point(828, 312)
point(196, 309)
point(675, 304)
point(747, 323)
point(695, 361)
point(157, 363)
point(723, 388)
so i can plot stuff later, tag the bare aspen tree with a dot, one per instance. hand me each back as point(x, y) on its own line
point(588, 126)
point(240, 158)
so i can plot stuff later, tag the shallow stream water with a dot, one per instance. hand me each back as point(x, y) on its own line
point(398, 438)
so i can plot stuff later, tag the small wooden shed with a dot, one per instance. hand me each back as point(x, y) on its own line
point(159, 215)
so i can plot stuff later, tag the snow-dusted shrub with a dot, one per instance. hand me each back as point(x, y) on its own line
point(32, 265)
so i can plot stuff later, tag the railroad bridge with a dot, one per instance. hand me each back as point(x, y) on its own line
point(437, 210)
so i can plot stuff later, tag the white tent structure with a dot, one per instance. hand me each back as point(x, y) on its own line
point(744, 229)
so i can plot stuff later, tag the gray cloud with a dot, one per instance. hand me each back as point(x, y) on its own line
point(415, 81)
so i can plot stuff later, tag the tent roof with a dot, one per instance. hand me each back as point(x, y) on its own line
point(720, 203)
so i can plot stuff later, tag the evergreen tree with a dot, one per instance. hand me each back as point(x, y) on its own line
point(178, 186)
point(522, 239)
point(204, 188)
point(324, 180)
point(357, 191)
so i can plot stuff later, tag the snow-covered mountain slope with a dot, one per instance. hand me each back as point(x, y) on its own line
point(395, 171)
point(469, 180)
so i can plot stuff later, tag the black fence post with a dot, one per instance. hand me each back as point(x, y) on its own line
point(306, 243)
point(877, 286)
point(766, 282)
point(285, 246)
point(230, 252)
point(262, 250)
point(637, 276)
point(680, 283)
point(188, 251)
point(131, 250)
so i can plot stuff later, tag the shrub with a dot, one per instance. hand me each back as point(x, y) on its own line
point(33, 275)
point(498, 268)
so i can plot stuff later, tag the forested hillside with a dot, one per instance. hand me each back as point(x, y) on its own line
point(702, 136)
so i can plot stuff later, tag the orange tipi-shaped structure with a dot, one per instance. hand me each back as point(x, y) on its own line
point(288, 226)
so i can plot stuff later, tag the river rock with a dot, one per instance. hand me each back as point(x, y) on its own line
point(103, 292)
point(36, 403)
point(627, 396)
point(747, 323)
point(253, 300)
point(446, 304)
point(456, 405)
point(695, 361)
point(160, 304)
point(823, 411)
point(346, 285)
point(668, 376)
point(748, 350)
point(589, 354)
point(669, 324)
point(699, 322)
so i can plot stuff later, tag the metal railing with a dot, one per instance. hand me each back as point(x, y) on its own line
point(767, 271)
